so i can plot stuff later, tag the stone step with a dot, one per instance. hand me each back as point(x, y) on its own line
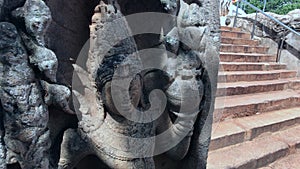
point(246, 57)
point(243, 49)
point(295, 84)
point(249, 155)
point(257, 153)
point(226, 28)
point(238, 76)
point(241, 88)
point(289, 162)
point(249, 66)
point(244, 129)
point(235, 34)
point(235, 106)
point(238, 41)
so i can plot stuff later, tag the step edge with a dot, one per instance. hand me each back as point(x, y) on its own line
point(246, 133)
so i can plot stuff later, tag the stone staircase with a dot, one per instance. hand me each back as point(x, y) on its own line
point(257, 111)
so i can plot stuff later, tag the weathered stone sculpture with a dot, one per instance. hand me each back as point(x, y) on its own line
point(117, 108)
point(25, 114)
point(140, 103)
point(24, 62)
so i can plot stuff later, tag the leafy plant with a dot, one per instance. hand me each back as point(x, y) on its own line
point(281, 7)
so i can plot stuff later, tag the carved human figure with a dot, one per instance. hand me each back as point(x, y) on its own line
point(25, 114)
point(25, 97)
point(117, 92)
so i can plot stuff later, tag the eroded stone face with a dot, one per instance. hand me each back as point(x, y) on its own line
point(37, 17)
point(25, 114)
point(24, 62)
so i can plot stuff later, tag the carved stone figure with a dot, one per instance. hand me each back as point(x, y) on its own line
point(25, 114)
point(24, 62)
point(117, 107)
point(141, 101)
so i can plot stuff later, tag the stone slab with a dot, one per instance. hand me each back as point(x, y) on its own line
point(244, 105)
point(243, 49)
point(225, 134)
point(290, 162)
point(250, 66)
point(235, 34)
point(269, 122)
point(252, 154)
point(246, 57)
point(238, 41)
point(235, 131)
point(237, 76)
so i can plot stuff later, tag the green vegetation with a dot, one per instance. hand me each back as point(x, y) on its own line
point(276, 6)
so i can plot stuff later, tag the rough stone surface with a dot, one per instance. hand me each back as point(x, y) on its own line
point(244, 156)
point(292, 62)
point(273, 46)
point(225, 134)
point(246, 105)
point(243, 129)
point(291, 54)
point(25, 114)
point(195, 77)
point(246, 57)
point(289, 162)
point(25, 63)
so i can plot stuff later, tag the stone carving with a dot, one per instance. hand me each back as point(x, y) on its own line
point(27, 68)
point(128, 114)
point(188, 80)
point(25, 114)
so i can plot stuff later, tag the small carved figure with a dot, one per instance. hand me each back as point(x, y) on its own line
point(24, 95)
point(25, 119)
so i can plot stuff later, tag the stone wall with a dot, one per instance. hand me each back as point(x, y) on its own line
point(290, 55)
point(270, 34)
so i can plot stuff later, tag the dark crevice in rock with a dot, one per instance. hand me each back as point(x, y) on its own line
point(292, 50)
point(91, 161)
point(129, 7)
point(14, 166)
point(6, 6)
point(68, 32)
point(58, 123)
